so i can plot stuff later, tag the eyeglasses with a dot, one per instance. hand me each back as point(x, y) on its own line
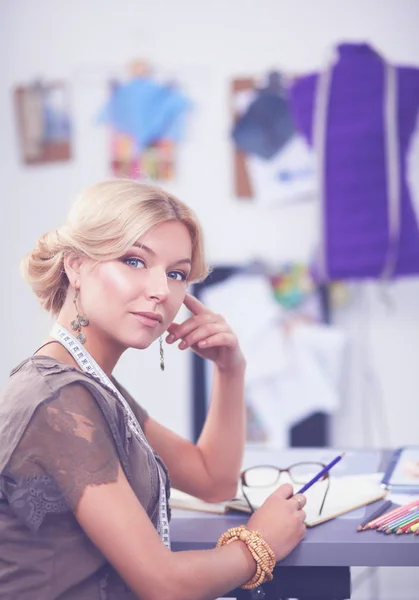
point(267, 476)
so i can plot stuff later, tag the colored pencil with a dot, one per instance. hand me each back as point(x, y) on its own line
point(415, 528)
point(321, 473)
point(405, 521)
point(374, 515)
point(398, 521)
point(406, 528)
point(392, 514)
point(407, 515)
point(394, 519)
point(396, 511)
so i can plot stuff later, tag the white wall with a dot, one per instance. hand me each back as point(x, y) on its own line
point(82, 41)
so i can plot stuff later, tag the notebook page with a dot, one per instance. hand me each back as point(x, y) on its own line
point(180, 499)
point(345, 494)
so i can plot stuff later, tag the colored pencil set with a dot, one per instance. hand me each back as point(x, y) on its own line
point(403, 519)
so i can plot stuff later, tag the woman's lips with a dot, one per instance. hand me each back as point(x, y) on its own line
point(148, 319)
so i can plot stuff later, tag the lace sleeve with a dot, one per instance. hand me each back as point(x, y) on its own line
point(69, 441)
point(140, 413)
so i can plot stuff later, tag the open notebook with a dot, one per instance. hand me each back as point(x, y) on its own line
point(345, 494)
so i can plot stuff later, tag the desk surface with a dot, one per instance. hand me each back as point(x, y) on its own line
point(335, 543)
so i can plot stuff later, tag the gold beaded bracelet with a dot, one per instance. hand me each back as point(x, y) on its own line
point(260, 550)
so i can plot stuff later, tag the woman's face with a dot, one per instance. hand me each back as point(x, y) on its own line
point(131, 301)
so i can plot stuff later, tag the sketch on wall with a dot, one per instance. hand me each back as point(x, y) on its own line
point(146, 118)
point(273, 163)
point(42, 113)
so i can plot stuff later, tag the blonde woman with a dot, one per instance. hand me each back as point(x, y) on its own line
point(84, 471)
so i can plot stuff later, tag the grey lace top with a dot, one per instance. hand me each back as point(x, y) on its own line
point(61, 430)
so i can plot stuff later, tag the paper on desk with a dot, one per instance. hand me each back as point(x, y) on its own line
point(346, 494)
point(180, 499)
point(402, 499)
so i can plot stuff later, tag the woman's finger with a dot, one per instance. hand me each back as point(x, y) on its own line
point(219, 339)
point(194, 305)
point(300, 500)
point(202, 333)
point(179, 331)
point(285, 490)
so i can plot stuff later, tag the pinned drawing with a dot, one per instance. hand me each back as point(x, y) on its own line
point(42, 113)
point(146, 119)
point(273, 164)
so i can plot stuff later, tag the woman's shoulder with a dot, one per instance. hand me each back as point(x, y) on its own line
point(40, 378)
point(28, 380)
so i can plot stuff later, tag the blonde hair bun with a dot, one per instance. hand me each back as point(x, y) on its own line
point(104, 221)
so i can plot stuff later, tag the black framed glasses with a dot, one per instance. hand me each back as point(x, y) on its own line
point(268, 476)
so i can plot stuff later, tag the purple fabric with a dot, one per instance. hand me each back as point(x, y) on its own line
point(356, 210)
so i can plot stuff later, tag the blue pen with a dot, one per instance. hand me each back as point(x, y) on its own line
point(321, 473)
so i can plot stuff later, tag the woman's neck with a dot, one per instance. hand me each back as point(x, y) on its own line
point(98, 344)
point(54, 349)
point(104, 350)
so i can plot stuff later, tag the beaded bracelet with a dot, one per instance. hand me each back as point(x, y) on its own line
point(260, 550)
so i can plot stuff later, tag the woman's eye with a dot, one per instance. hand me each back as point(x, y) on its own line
point(177, 275)
point(134, 262)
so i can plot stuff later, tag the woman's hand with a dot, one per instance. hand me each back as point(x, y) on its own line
point(207, 334)
point(280, 520)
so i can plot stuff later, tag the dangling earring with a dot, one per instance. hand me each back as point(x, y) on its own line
point(161, 354)
point(80, 321)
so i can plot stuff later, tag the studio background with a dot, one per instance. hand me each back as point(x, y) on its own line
point(206, 44)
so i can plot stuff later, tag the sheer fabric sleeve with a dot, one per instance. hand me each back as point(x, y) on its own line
point(67, 444)
point(140, 413)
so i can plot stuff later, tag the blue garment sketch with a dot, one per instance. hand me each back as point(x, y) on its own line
point(266, 126)
point(147, 110)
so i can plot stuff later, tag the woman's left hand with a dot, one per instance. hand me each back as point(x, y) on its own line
point(207, 334)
